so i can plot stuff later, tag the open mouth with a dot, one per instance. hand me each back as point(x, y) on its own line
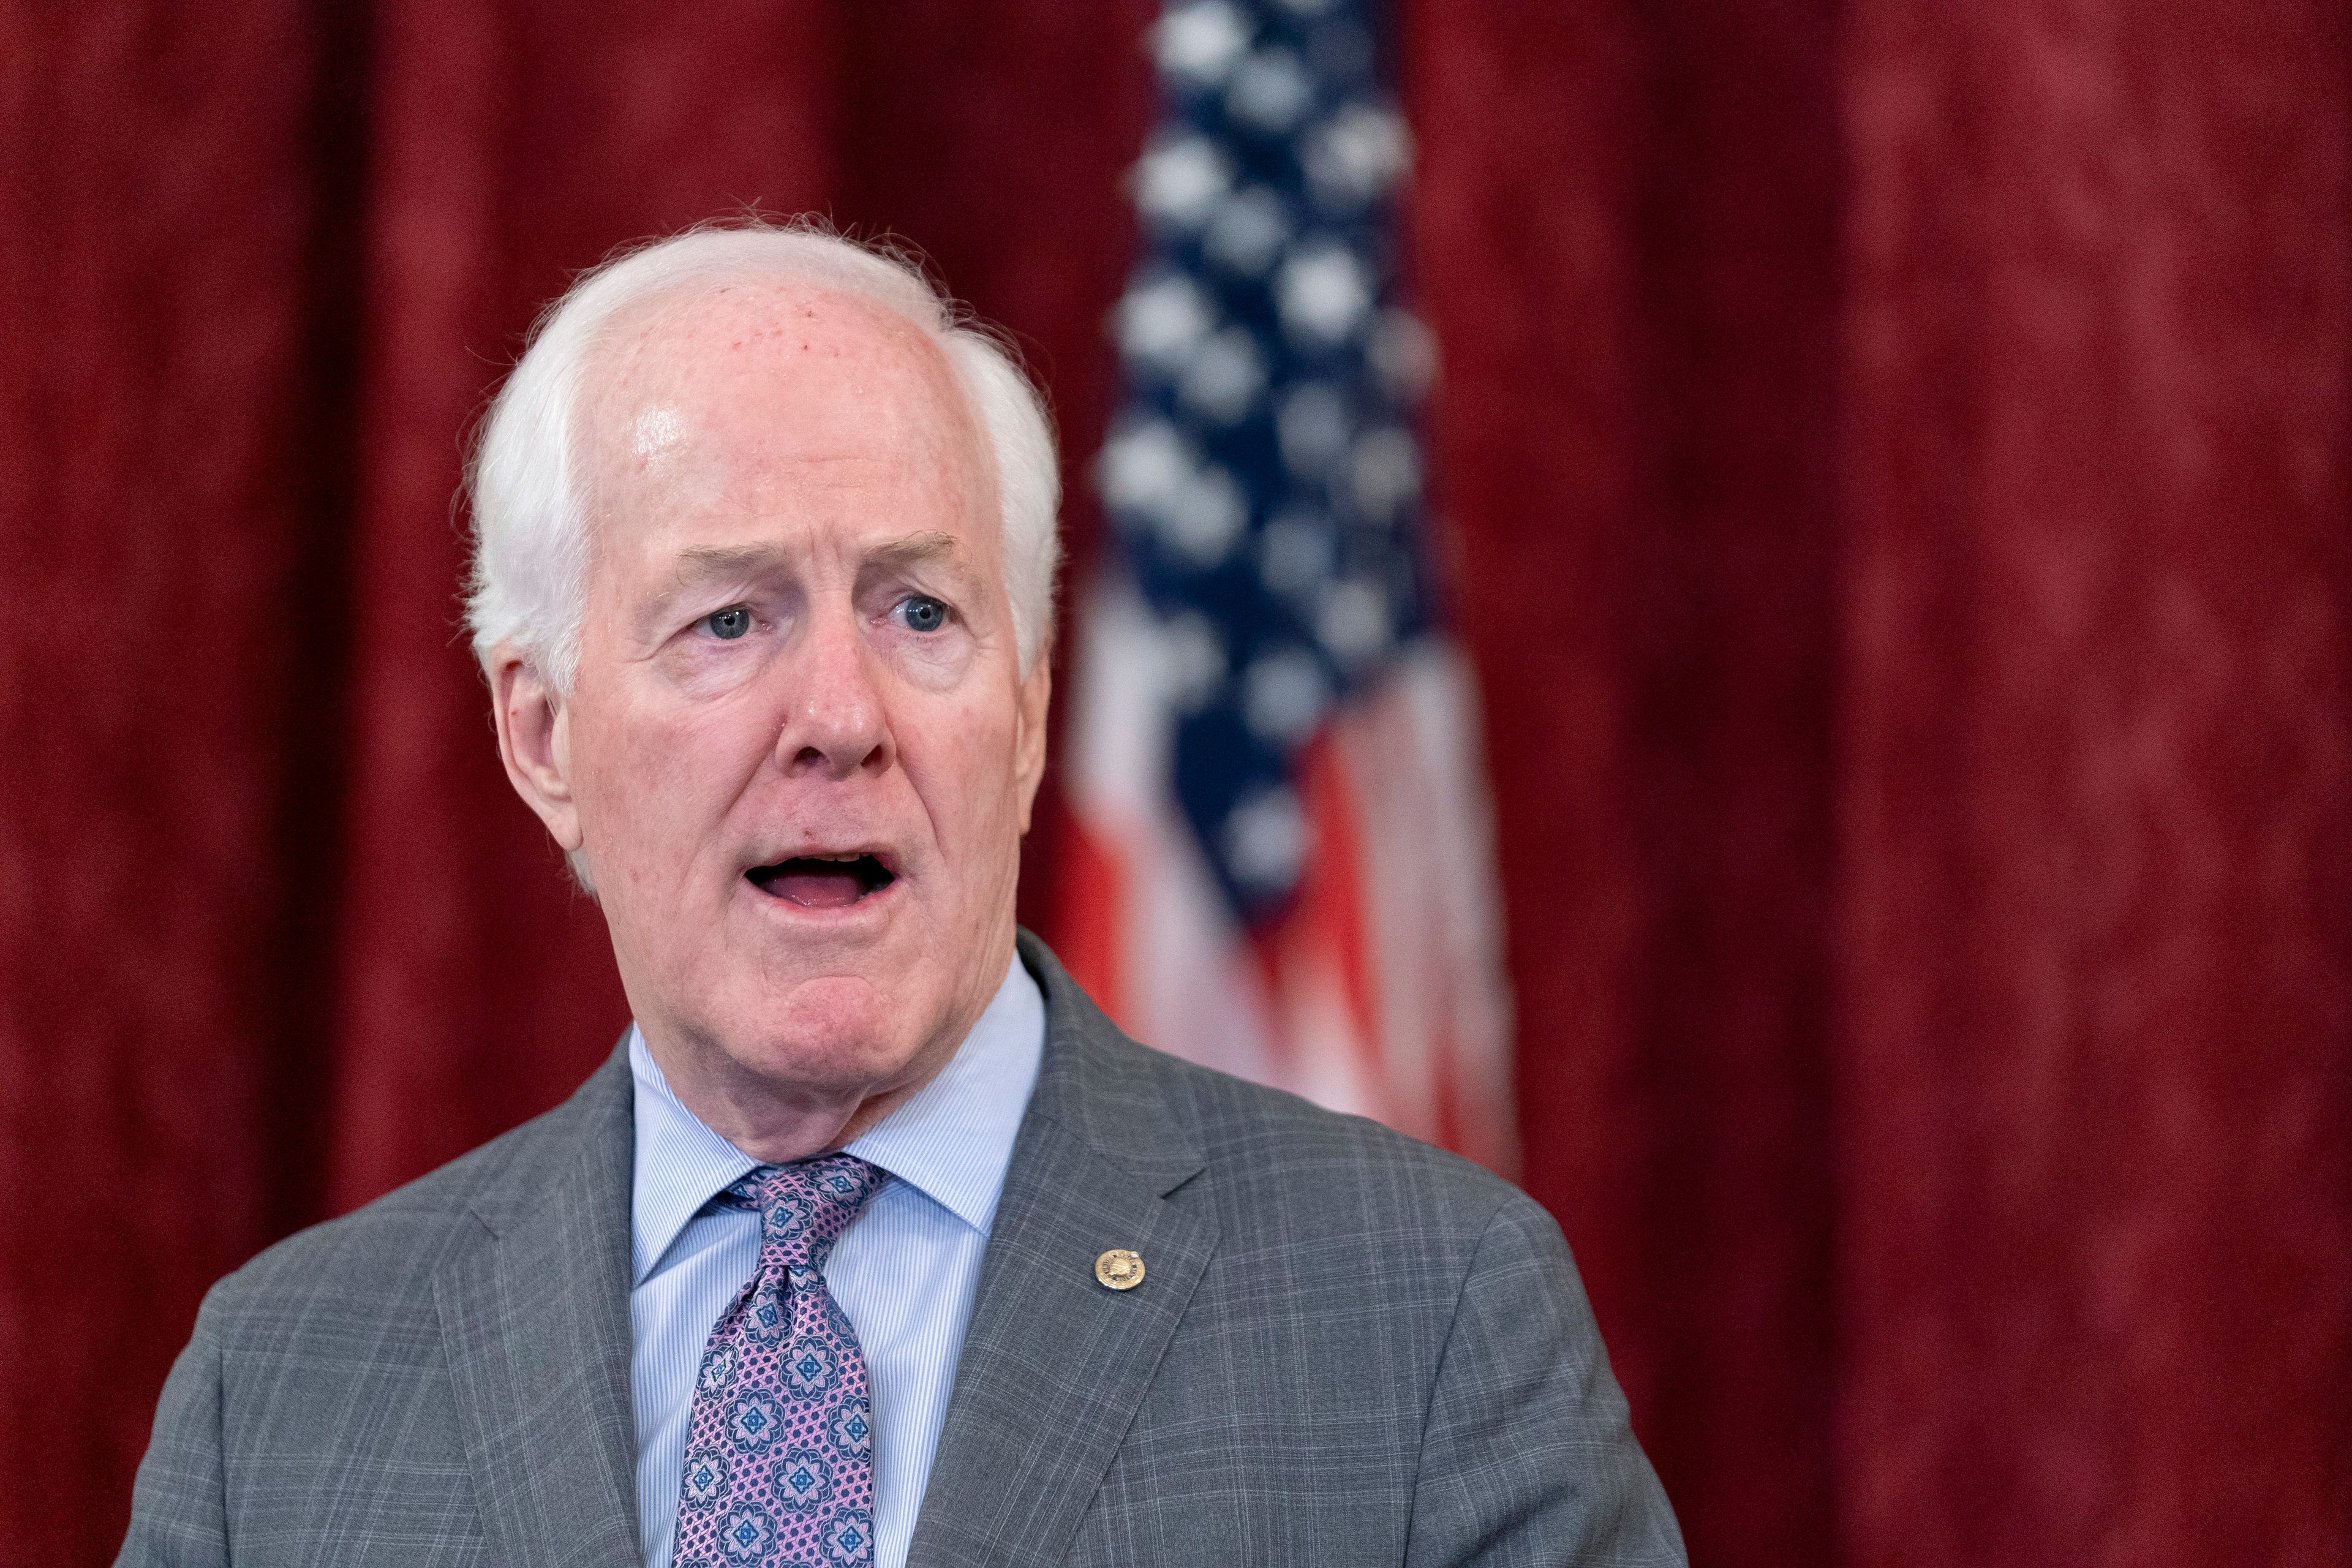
point(821, 881)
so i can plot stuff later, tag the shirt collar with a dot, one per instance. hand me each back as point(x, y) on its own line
point(952, 1140)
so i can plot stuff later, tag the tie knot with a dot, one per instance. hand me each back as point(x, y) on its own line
point(804, 1206)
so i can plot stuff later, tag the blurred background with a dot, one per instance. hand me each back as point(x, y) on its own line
point(1869, 582)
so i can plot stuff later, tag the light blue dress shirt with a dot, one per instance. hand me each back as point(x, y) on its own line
point(905, 1272)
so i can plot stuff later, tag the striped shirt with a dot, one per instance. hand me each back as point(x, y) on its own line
point(904, 1271)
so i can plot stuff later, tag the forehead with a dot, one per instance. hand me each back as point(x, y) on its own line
point(765, 396)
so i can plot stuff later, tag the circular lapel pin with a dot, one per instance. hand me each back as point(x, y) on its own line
point(1119, 1268)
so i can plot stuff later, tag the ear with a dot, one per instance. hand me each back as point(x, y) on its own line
point(534, 741)
point(1029, 734)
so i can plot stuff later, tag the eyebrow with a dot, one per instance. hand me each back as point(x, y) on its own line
point(718, 559)
point(917, 549)
point(712, 559)
point(699, 563)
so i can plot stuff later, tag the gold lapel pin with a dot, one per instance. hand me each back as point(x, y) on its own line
point(1119, 1268)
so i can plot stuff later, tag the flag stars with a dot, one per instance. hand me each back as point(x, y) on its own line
point(1270, 91)
point(1284, 695)
point(1265, 478)
point(1353, 624)
point(1294, 552)
point(1323, 292)
point(1352, 158)
point(1313, 426)
point(1197, 45)
point(1384, 473)
point(1203, 519)
point(1193, 659)
point(1265, 841)
point(1180, 181)
point(1142, 464)
point(1403, 356)
point(1248, 231)
point(1226, 374)
point(1149, 473)
point(1160, 323)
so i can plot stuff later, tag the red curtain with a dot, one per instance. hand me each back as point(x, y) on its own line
point(1897, 468)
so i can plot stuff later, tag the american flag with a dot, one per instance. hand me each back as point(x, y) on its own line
point(1283, 865)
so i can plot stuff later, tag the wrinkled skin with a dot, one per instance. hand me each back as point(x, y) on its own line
point(797, 643)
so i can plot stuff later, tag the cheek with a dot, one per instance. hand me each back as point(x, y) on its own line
point(961, 760)
point(655, 784)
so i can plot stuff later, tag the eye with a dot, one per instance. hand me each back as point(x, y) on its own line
point(921, 613)
point(729, 624)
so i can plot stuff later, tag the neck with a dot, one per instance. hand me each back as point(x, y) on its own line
point(777, 1123)
point(777, 1119)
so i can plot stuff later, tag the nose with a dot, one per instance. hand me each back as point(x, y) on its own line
point(835, 723)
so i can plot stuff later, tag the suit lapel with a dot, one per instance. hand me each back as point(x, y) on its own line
point(535, 1320)
point(1054, 1363)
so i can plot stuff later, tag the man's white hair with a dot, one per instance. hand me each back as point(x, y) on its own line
point(530, 521)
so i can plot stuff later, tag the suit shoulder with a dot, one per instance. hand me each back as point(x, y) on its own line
point(1274, 1147)
point(390, 1247)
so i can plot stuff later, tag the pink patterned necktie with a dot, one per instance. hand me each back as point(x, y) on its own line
point(780, 1444)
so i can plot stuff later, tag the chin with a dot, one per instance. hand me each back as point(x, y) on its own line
point(837, 1032)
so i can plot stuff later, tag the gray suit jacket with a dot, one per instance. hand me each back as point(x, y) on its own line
point(1347, 1348)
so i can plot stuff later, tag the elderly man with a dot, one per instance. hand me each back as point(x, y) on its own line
point(873, 1241)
